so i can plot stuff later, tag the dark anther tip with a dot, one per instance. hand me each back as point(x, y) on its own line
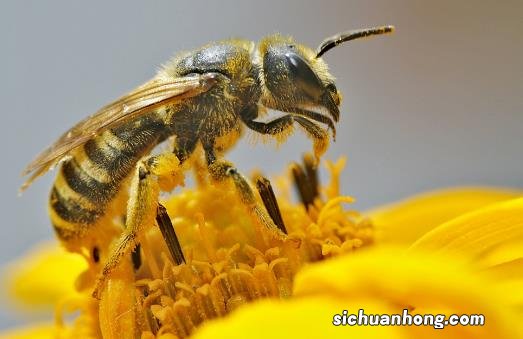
point(271, 204)
point(171, 239)
point(306, 180)
point(96, 254)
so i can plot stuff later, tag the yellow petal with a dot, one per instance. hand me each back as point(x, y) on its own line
point(117, 313)
point(43, 276)
point(505, 261)
point(295, 318)
point(406, 221)
point(41, 331)
point(425, 282)
point(508, 270)
point(483, 235)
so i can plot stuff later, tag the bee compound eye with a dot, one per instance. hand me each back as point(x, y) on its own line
point(303, 75)
point(294, 60)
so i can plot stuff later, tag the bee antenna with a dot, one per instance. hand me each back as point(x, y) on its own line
point(340, 38)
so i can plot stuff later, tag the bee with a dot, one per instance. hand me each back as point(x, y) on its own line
point(203, 99)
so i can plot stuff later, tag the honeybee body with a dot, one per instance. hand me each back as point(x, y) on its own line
point(88, 182)
point(203, 98)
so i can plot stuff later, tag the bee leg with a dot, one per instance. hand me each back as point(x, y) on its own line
point(273, 127)
point(319, 136)
point(221, 170)
point(279, 125)
point(151, 175)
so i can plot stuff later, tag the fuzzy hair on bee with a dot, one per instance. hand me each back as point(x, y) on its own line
point(203, 100)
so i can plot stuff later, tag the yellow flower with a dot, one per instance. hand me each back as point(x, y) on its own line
point(450, 252)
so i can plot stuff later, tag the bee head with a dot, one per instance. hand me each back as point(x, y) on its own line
point(295, 77)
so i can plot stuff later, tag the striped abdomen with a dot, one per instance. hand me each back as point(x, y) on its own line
point(90, 180)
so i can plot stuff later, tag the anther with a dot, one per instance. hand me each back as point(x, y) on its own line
point(270, 202)
point(311, 170)
point(306, 180)
point(153, 322)
point(169, 235)
point(96, 254)
point(136, 257)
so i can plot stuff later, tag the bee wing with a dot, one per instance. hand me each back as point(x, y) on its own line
point(156, 92)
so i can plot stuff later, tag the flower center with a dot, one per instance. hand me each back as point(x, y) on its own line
point(209, 256)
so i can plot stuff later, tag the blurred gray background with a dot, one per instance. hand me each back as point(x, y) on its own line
point(436, 104)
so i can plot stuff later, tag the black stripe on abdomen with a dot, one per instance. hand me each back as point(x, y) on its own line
point(117, 163)
point(91, 178)
point(85, 185)
point(71, 211)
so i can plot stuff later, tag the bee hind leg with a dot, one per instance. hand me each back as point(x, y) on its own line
point(151, 175)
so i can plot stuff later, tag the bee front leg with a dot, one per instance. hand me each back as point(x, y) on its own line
point(283, 124)
point(161, 172)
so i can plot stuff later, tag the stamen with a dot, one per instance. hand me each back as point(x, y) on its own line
point(152, 323)
point(136, 257)
point(227, 263)
point(306, 180)
point(311, 169)
point(169, 235)
point(96, 254)
point(269, 200)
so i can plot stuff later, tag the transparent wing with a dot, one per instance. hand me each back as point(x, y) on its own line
point(157, 92)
